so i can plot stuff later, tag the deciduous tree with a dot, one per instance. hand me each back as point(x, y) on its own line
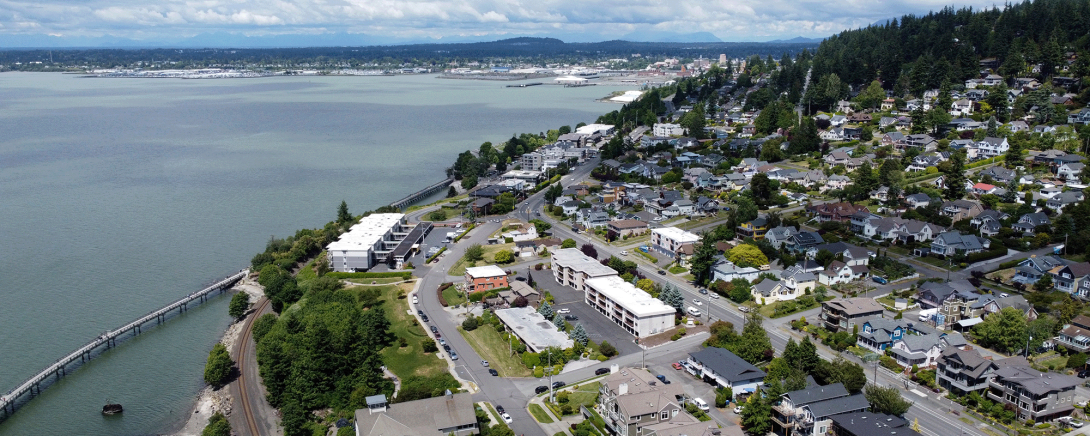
point(886, 400)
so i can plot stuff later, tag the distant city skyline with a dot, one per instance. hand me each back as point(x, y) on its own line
point(25, 23)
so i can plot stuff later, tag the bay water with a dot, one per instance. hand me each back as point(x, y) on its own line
point(118, 196)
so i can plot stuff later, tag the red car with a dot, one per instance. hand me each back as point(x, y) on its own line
point(677, 366)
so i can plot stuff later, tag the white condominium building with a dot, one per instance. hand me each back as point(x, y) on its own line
point(630, 307)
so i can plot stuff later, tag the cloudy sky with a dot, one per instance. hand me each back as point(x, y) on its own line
point(729, 20)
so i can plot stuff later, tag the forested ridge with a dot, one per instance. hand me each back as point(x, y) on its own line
point(916, 53)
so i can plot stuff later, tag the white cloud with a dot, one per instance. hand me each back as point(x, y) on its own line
point(739, 20)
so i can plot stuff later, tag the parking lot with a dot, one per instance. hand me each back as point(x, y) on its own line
point(597, 325)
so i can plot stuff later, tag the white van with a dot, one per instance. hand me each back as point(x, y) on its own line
point(700, 404)
point(694, 311)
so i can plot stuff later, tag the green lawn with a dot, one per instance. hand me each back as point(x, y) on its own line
point(453, 296)
point(408, 360)
point(495, 415)
point(459, 268)
point(678, 269)
point(540, 414)
point(491, 347)
point(585, 395)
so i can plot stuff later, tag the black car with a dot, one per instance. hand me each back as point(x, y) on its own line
point(1084, 373)
point(662, 379)
point(662, 273)
point(521, 279)
point(424, 317)
point(541, 389)
point(571, 317)
point(446, 347)
point(493, 373)
point(703, 291)
point(420, 312)
point(558, 385)
point(601, 371)
point(499, 409)
point(434, 329)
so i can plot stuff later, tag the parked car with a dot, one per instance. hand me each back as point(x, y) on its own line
point(571, 317)
point(493, 372)
point(879, 279)
point(424, 317)
point(662, 379)
point(743, 309)
point(662, 273)
point(446, 347)
point(434, 329)
point(521, 279)
point(1075, 423)
point(506, 418)
point(563, 311)
point(700, 404)
point(420, 312)
point(484, 363)
point(453, 355)
point(558, 385)
point(442, 341)
point(1084, 373)
point(500, 409)
point(601, 371)
point(541, 389)
point(738, 410)
point(676, 366)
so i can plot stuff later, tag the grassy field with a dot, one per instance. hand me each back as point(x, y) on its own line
point(453, 296)
point(585, 395)
point(408, 360)
point(459, 268)
point(540, 414)
point(678, 269)
point(491, 347)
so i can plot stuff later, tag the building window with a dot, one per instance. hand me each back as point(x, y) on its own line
point(665, 415)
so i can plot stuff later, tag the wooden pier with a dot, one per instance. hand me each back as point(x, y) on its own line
point(33, 385)
point(421, 194)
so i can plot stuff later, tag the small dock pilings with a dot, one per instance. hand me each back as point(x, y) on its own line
point(60, 368)
point(421, 194)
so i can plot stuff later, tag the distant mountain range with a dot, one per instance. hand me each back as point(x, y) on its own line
point(340, 39)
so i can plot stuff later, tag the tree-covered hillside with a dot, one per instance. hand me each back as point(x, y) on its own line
point(916, 53)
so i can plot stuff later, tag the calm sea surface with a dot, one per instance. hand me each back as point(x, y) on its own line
point(120, 195)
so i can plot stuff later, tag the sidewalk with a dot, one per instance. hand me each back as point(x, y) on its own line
point(558, 425)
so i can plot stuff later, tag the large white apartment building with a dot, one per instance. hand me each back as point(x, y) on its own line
point(572, 268)
point(630, 307)
point(669, 240)
point(667, 129)
point(374, 240)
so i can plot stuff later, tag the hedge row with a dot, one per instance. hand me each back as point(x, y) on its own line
point(405, 275)
point(459, 238)
point(440, 290)
point(986, 255)
point(437, 253)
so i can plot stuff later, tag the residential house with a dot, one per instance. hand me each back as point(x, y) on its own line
point(837, 182)
point(1034, 267)
point(726, 271)
point(778, 235)
point(879, 333)
point(892, 138)
point(958, 210)
point(1070, 170)
point(833, 134)
point(880, 194)
point(808, 412)
point(755, 229)
point(844, 314)
point(923, 162)
point(632, 398)
point(870, 424)
point(725, 369)
point(627, 227)
point(1036, 396)
point(921, 141)
point(933, 295)
point(838, 120)
point(1018, 126)
point(483, 278)
point(771, 291)
point(991, 147)
point(954, 243)
point(964, 371)
point(917, 200)
point(1028, 223)
point(920, 350)
point(450, 414)
point(840, 212)
point(1067, 278)
point(989, 222)
point(803, 242)
point(668, 240)
point(983, 188)
point(1063, 199)
point(591, 218)
point(837, 158)
point(838, 272)
point(852, 255)
point(1076, 335)
point(961, 107)
point(798, 279)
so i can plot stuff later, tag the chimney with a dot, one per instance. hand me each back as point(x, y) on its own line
point(622, 389)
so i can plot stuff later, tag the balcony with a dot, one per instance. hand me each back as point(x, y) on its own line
point(953, 381)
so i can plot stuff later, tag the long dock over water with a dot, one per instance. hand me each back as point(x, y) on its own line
point(421, 194)
point(33, 385)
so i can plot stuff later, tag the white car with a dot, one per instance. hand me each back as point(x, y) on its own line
point(624, 253)
point(1075, 423)
point(697, 302)
point(738, 410)
point(563, 311)
point(506, 418)
point(715, 296)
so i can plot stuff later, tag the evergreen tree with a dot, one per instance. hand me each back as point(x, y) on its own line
point(558, 321)
point(886, 400)
point(955, 177)
point(672, 297)
point(757, 415)
point(993, 128)
point(579, 334)
point(753, 345)
point(342, 213)
point(546, 310)
point(1013, 158)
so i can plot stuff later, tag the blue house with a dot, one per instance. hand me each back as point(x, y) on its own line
point(879, 333)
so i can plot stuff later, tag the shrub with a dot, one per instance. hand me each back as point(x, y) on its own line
point(217, 371)
point(607, 349)
point(429, 346)
point(470, 324)
point(539, 372)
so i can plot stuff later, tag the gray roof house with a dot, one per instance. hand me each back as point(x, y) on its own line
point(1028, 223)
point(726, 369)
point(1063, 199)
point(808, 411)
point(953, 242)
point(437, 416)
point(1051, 394)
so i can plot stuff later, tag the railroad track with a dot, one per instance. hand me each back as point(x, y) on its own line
point(247, 334)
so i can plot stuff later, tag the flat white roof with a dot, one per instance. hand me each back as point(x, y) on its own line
point(575, 259)
point(537, 332)
point(370, 230)
point(591, 129)
point(629, 297)
point(485, 271)
point(676, 234)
